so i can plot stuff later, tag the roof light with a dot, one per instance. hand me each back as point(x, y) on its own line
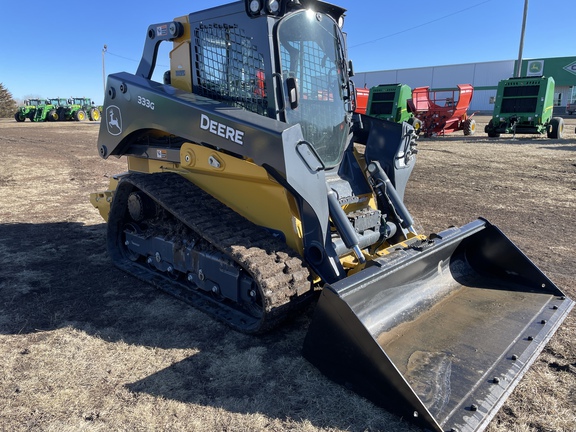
point(255, 6)
point(273, 6)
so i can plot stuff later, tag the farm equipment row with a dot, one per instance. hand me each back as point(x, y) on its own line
point(522, 105)
point(430, 112)
point(57, 109)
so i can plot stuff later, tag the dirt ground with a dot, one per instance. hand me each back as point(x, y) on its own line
point(84, 346)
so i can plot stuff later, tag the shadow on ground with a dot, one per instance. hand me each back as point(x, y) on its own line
point(58, 274)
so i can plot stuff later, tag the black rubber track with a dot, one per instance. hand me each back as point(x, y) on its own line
point(283, 280)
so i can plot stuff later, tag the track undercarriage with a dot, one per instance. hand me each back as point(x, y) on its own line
point(168, 232)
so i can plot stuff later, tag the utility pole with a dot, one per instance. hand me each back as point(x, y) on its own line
point(519, 63)
point(104, 68)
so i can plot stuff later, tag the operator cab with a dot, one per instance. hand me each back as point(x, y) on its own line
point(303, 78)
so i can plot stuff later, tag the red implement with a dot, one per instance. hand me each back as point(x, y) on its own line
point(362, 100)
point(443, 112)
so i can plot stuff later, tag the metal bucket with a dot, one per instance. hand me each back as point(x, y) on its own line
point(439, 334)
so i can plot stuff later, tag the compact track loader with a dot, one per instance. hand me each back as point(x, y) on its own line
point(253, 188)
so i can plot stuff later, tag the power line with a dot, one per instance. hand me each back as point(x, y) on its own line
point(420, 25)
point(122, 57)
point(130, 59)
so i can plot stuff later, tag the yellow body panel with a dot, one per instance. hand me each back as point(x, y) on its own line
point(246, 188)
point(240, 184)
point(103, 200)
point(180, 66)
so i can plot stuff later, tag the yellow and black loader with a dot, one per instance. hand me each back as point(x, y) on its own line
point(253, 188)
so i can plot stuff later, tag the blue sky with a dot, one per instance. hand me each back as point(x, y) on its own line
point(54, 49)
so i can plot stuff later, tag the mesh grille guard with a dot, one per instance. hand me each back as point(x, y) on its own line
point(229, 67)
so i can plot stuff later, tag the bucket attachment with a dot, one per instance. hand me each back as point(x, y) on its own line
point(439, 334)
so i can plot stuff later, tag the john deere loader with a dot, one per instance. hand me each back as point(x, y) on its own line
point(252, 188)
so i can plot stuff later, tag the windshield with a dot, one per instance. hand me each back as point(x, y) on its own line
point(311, 53)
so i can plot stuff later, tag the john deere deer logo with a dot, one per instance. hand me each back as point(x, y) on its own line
point(113, 120)
point(535, 67)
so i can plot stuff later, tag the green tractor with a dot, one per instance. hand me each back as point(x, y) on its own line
point(525, 105)
point(57, 108)
point(390, 102)
point(28, 110)
point(82, 108)
point(48, 110)
point(41, 111)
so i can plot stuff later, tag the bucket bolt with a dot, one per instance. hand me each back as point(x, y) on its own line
point(514, 357)
point(473, 407)
point(495, 380)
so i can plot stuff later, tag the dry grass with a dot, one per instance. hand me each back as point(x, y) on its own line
point(85, 347)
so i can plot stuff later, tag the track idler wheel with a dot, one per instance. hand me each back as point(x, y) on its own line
point(141, 206)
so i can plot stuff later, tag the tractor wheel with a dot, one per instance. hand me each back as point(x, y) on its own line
point(19, 118)
point(94, 114)
point(80, 115)
point(556, 128)
point(489, 129)
point(52, 115)
point(469, 127)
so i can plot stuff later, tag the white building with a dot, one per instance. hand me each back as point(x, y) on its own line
point(484, 77)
